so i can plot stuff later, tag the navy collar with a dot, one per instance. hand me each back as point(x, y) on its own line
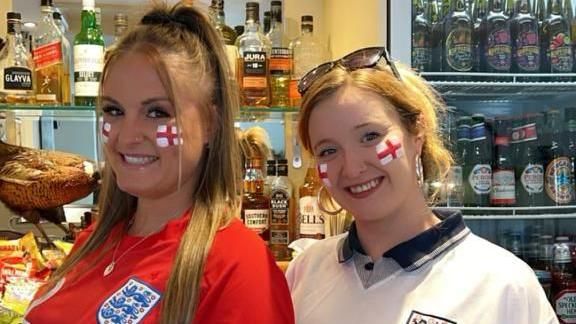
point(416, 252)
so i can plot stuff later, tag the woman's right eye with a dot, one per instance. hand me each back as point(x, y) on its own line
point(112, 111)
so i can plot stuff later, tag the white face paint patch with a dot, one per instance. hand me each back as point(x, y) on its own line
point(106, 128)
point(168, 136)
point(323, 172)
point(389, 150)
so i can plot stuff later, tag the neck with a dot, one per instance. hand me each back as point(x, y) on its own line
point(377, 237)
point(153, 214)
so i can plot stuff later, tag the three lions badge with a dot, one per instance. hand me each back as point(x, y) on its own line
point(129, 304)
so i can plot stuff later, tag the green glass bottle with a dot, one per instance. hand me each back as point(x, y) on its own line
point(88, 57)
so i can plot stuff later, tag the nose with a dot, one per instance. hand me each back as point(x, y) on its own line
point(354, 164)
point(130, 131)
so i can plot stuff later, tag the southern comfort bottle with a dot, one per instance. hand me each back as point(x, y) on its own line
point(256, 205)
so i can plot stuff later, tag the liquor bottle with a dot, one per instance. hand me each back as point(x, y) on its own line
point(529, 169)
point(49, 71)
point(525, 40)
point(88, 57)
point(308, 53)
point(67, 57)
point(282, 213)
point(563, 281)
point(421, 39)
point(256, 205)
point(280, 59)
point(310, 218)
point(458, 52)
point(254, 50)
point(556, 41)
point(503, 185)
point(558, 174)
point(543, 267)
point(270, 176)
point(436, 25)
point(16, 66)
point(218, 18)
point(478, 166)
point(267, 22)
point(120, 25)
point(479, 14)
point(497, 41)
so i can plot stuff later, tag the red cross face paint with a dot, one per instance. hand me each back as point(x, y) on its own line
point(106, 128)
point(323, 172)
point(168, 135)
point(389, 150)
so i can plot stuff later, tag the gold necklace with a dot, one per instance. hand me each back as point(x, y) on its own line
point(110, 267)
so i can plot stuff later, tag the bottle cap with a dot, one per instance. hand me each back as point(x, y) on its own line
point(121, 19)
point(13, 15)
point(282, 161)
point(307, 18)
point(562, 253)
point(88, 5)
point(46, 3)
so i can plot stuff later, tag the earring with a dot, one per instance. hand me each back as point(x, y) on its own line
point(419, 171)
point(319, 201)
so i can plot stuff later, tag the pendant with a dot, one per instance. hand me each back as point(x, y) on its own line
point(109, 269)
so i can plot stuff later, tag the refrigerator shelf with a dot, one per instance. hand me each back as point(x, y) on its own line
point(544, 212)
point(501, 85)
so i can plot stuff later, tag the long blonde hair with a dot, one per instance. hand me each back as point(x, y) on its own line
point(188, 56)
point(415, 101)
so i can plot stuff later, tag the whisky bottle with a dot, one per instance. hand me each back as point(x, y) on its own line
point(255, 205)
point(88, 57)
point(120, 25)
point(218, 18)
point(280, 59)
point(281, 213)
point(254, 50)
point(310, 218)
point(308, 52)
point(16, 65)
point(267, 22)
point(67, 60)
point(49, 74)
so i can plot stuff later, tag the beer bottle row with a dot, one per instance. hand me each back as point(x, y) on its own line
point(492, 36)
point(520, 161)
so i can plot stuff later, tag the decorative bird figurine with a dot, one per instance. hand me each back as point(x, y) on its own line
point(36, 183)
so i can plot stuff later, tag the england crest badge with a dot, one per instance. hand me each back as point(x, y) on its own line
point(129, 304)
point(421, 318)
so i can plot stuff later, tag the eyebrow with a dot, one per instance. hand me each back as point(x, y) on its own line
point(144, 102)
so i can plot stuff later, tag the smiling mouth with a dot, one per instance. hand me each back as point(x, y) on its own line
point(139, 159)
point(365, 187)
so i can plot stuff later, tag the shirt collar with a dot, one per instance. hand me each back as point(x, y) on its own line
point(417, 251)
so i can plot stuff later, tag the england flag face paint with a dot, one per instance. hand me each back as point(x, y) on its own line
point(106, 128)
point(323, 172)
point(168, 136)
point(389, 150)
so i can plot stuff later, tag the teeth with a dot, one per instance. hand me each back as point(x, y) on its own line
point(139, 160)
point(364, 187)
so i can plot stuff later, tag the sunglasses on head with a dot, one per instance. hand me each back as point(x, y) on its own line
point(360, 59)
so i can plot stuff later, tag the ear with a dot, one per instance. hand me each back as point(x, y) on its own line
point(418, 142)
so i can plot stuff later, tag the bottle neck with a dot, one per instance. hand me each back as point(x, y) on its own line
point(307, 29)
point(524, 7)
point(88, 19)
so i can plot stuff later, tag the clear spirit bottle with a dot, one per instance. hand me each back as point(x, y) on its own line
point(308, 53)
point(254, 53)
point(67, 59)
point(16, 66)
point(88, 57)
point(120, 25)
point(49, 71)
point(218, 18)
point(280, 59)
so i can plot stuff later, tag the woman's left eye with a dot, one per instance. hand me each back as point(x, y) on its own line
point(369, 137)
point(158, 113)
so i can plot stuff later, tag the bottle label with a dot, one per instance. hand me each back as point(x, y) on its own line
point(532, 178)
point(17, 78)
point(256, 219)
point(254, 66)
point(499, 51)
point(280, 61)
point(565, 306)
point(503, 187)
point(310, 218)
point(524, 133)
point(560, 53)
point(478, 132)
point(501, 140)
point(48, 54)
point(280, 237)
point(528, 51)
point(279, 202)
point(421, 57)
point(480, 179)
point(459, 50)
point(558, 181)
point(88, 65)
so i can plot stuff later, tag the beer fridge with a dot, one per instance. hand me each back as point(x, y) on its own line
point(505, 70)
